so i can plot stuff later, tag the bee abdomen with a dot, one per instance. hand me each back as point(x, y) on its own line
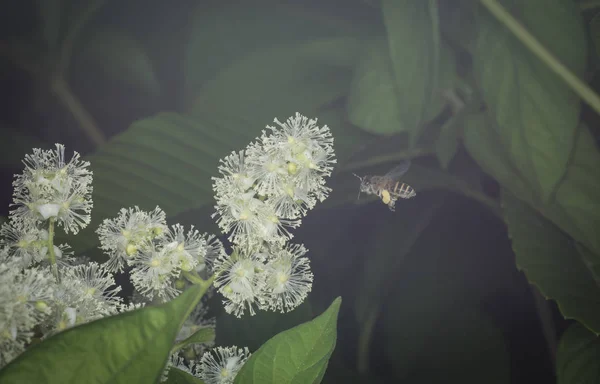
point(404, 191)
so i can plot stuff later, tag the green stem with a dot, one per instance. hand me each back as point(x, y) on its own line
point(50, 245)
point(585, 92)
point(193, 278)
point(62, 90)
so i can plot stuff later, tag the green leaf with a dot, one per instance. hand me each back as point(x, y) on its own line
point(380, 270)
point(551, 261)
point(298, 355)
point(121, 56)
point(282, 80)
point(374, 101)
point(576, 206)
point(164, 160)
point(131, 347)
point(577, 357)
point(537, 114)
point(458, 346)
point(201, 336)
point(412, 51)
point(254, 331)
point(214, 45)
point(177, 376)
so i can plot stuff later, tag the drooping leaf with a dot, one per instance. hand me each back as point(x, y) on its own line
point(576, 206)
point(121, 56)
point(551, 261)
point(298, 355)
point(536, 113)
point(374, 101)
point(577, 356)
point(131, 347)
point(412, 51)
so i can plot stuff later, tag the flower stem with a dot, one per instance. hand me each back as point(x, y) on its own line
point(585, 92)
point(195, 279)
point(51, 254)
point(86, 122)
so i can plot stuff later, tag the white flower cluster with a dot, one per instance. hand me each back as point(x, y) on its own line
point(157, 254)
point(35, 291)
point(264, 191)
point(267, 188)
point(49, 187)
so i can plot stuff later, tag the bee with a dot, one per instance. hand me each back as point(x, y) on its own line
point(388, 187)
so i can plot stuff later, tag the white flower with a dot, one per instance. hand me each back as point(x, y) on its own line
point(289, 279)
point(214, 250)
point(187, 250)
point(90, 290)
point(240, 279)
point(50, 187)
point(154, 272)
point(123, 236)
point(24, 297)
point(26, 243)
point(223, 368)
point(235, 171)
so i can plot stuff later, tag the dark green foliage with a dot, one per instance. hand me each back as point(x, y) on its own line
point(154, 94)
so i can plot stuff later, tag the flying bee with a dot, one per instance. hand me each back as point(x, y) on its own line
point(388, 187)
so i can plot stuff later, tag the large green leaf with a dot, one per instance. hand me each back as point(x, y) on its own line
point(121, 56)
point(298, 355)
point(537, 114)
point(577, 357)
point(224, 32)
point(131, 347)
point(374, 101)
point(576, 206)
point(281, 80)
point(164, 160)
point(551, 261)
point(381, 269)
point(413, 54)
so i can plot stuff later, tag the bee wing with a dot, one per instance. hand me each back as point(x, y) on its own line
point(399, 170)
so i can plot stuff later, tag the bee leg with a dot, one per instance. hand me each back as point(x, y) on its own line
point(392, 205)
